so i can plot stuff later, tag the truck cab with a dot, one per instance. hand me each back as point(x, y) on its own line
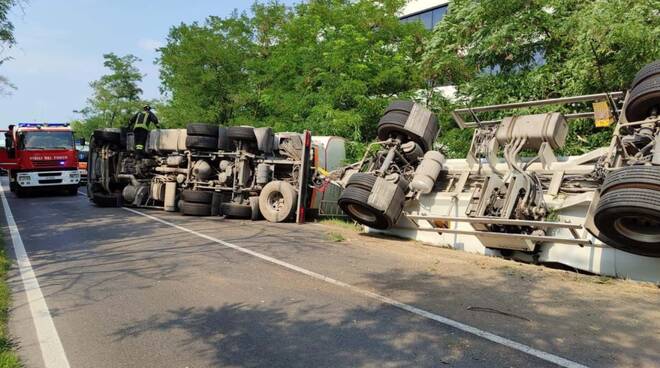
point(40, 155)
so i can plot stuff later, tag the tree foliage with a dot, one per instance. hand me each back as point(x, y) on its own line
point(326, 65)
point(7, 39)
point(115, 96)
point(515, 50)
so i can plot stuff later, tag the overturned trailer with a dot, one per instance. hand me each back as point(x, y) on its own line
point(597, 212)
point(205, 170)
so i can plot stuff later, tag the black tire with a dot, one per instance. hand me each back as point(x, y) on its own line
point(105, 200)
point(646, 72)
point(197, 196)
point(224, 143)
point(363, 180)
point(195, 209)
point(244, 134)
point(201, 143)
point(201, 129)
point(254, 206)
point(400, 106)
point(640, 177)
point(236, 210)
point(277, 201)
point(629, 220)
point(393, 125)
point(216, 201)
point(643, 99)
point(72, 190)
point(354, 201)
point(107, 136)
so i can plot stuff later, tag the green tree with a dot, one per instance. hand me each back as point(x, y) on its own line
point(116, 96)
point(7, 39)
point(329, 66)
point(506, 51)
point(203, 70)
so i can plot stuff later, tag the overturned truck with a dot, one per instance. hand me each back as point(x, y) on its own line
point(515, 195)
point(205, 170)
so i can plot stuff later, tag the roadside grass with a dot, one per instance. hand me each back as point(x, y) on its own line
point(8, 358)
point(344, 224)
point(335, 237)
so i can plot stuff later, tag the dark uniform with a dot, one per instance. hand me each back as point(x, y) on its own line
point(140, 124)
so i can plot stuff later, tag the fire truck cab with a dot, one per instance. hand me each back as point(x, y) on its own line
point(40, 155)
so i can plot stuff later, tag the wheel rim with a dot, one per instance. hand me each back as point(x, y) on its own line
point(361, 213)
point(639, 228)
point(276, 201)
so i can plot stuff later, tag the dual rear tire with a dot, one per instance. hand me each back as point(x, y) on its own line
point(628, 213)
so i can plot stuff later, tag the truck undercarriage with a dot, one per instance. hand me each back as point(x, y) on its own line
point(515, 194)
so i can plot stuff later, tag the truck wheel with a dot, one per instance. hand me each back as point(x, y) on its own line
point(201, 143)
point(236, 210)
point(201, 129)
point(647, 71)
point(72, 190)
point(107, 136)
point(363, 180)
point(400, 106)
point(643, 99)
point(254, 206)
point(354, 201)
point(105, 200)
point(245, 134)
point(224, 143)
point(216, 201)
point(195, 209)
point(20, 192)
point(629, 219)
point(277, 201)
point(197, 196)
point(393, 125)
point(640, 177)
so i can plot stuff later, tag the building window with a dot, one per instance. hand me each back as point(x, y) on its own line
point(429, 17)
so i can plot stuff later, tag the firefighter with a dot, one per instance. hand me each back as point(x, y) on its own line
point(140, 124)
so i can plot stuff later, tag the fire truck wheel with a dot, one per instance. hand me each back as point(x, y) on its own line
point(20, 192)
point(12, 186)
point(236, 210)
point(640, 177)
point(195, 209)
point(197, 196)
point(72, 190)
point(644, 99)
point(277, 201)
point(201, 143)
point(239, 133)
point(107, 136)
point(647, 71)
point(630, 219)
point(354, 201)
point(200, 129)
point(254, 206)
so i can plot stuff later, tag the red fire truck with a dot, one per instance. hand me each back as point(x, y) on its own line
point(38, 156)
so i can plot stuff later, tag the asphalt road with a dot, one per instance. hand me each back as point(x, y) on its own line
point(126, 290)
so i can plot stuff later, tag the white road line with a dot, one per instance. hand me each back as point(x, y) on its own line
point(395, 303)
point(51, 347)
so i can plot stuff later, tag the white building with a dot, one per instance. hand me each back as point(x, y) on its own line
point(429, 12)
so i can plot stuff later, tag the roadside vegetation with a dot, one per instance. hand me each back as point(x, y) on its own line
point(8, 358)
point(332, 66)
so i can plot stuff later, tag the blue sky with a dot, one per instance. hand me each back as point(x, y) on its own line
point(61, 43)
